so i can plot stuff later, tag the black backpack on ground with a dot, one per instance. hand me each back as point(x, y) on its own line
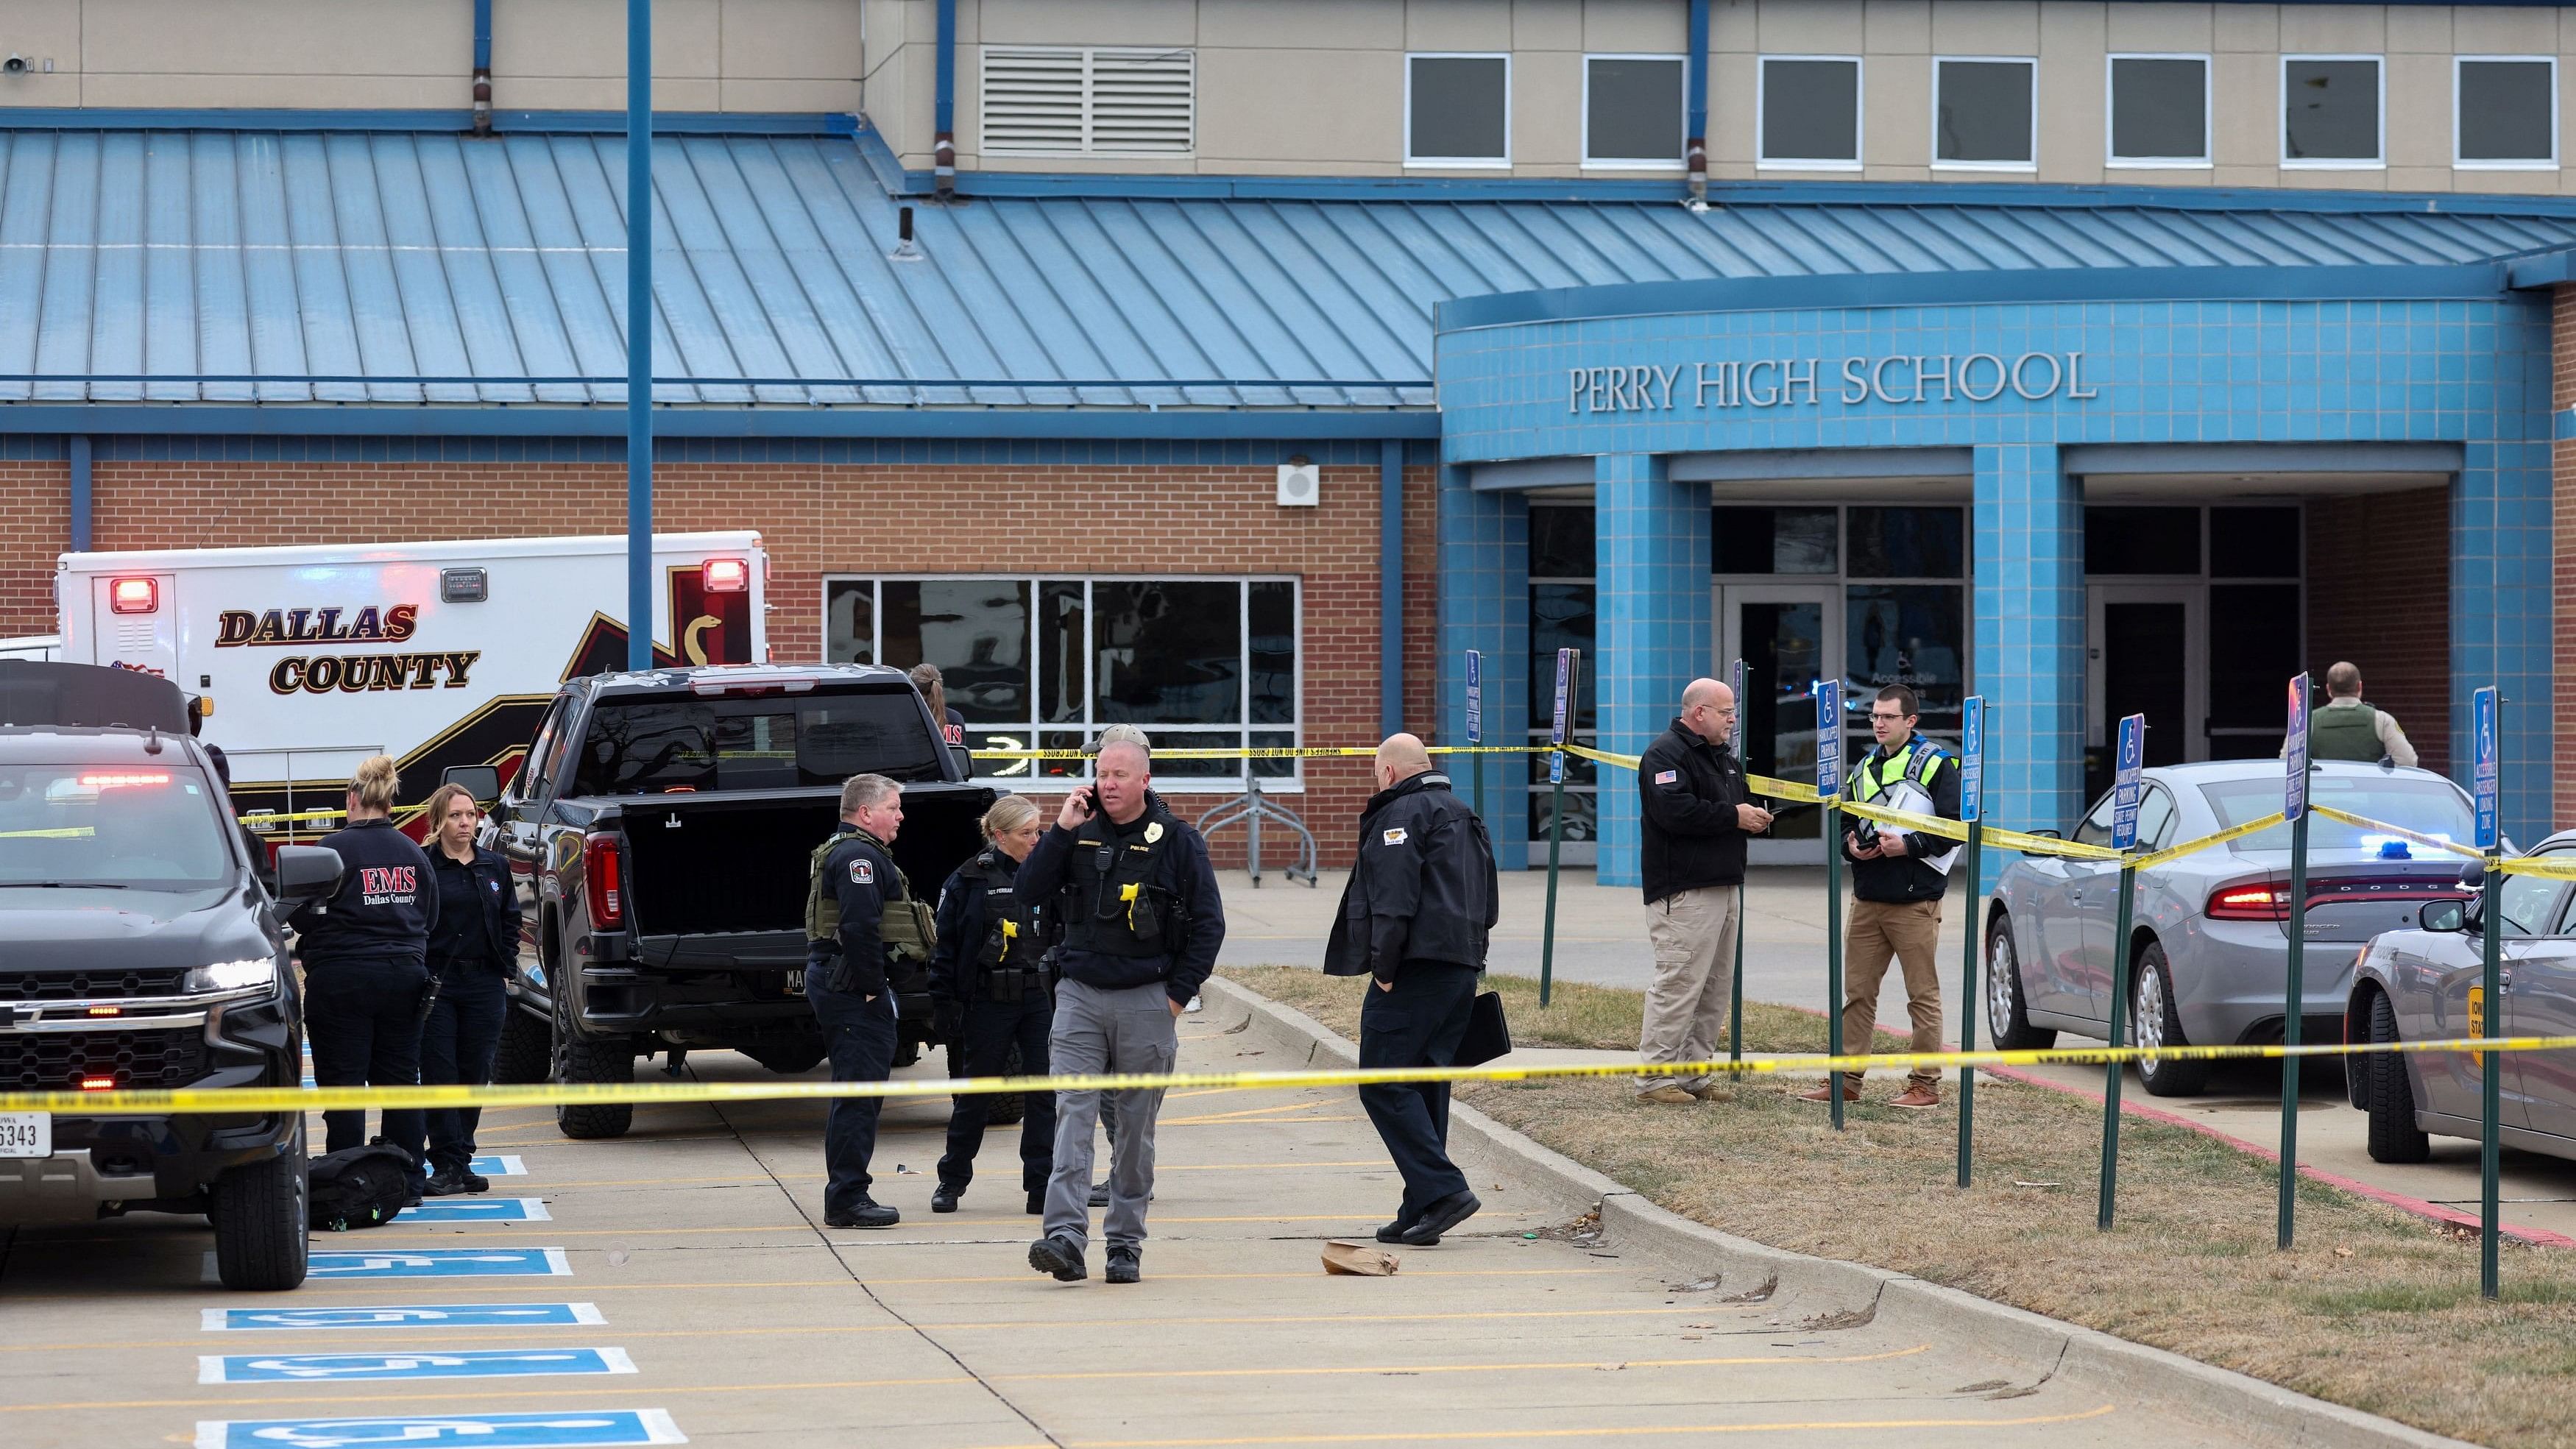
point(360, 1187)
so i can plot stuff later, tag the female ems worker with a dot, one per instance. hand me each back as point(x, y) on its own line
point(471, 951)
point(990, 993)
point(365, 960)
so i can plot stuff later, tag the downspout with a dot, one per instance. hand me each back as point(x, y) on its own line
point(80, 492)
point(1695, 78)
point(1390, 586)
point(943, 142)
point(482, 67)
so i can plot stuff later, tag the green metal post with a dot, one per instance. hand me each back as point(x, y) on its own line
point(1968, 1003)
point(2490, 1150)
point(1834, 950)
point(2119, 1037)
point(1555, 836)
point(2287, 1228)
point(1735, 992)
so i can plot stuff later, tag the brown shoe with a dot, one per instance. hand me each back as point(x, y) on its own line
point(1713, 1093)
point(1918, 1097)
point(1674, 1096)
point(1824, 1092)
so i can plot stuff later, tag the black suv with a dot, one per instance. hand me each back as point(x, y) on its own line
point(142, 952)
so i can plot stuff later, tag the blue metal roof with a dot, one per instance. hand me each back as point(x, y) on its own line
point(426, 267)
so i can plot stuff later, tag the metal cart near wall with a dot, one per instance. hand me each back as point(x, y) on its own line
point(1251, 808)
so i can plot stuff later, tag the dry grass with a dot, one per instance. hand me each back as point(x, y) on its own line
point(2374, 1309)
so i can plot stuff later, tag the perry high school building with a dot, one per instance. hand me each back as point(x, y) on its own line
point(1233, 366)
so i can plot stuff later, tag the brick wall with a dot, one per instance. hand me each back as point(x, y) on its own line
point(820, 519)
point(2379, 594)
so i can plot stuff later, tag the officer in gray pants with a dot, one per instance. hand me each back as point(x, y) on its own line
point(1142, 922)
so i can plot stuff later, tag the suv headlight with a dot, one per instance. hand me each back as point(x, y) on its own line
point(234, 976)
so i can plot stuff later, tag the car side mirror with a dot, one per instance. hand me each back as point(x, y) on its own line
point(2444, 916)
point(306, 871)
point(483, 782)
point(2046, 834)
point(965, 759)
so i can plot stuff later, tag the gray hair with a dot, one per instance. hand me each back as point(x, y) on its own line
point(862, 792)
point(1123, 734)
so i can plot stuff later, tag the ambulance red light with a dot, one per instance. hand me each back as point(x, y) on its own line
point(725, 575)
point(134, 596)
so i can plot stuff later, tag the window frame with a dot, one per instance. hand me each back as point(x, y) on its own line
point(1763, 160)
point(2207, 159)
point(2379, 160)
point(2030, 65)
point(1166, 736)
point(1680, 159)
point(1457, 163)
point(2458, 162)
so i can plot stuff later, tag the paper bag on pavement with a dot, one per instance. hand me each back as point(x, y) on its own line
point(1360, 1259)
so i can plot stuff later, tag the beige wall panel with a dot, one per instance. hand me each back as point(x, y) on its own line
point(2354, 29)
point(2420, 178)
point(2243, 175)
point(2491, 30)
point(789, 39)
point(217, 38)
point(1985, 27)
point(1889, 173)
point(1547, 24)
point(588, 37)
point(2428, 28)
point(1348, 106)
point(2509, 183)
point(1734, 25)
point(1456, 24)
point(2160, 27)
point(2245, 110)
point(2246, 27)
point(2335, 180)
point(2419, 110)
point(293, 92)
point(1090, 166)
point(1896, 111)
point(580, 93)
point(62, 88)
point(2071, 116)
point(1811, 27)
point(1897, 27)
point(1087, 22)
point(1657, 26)
point(788, 95)
point(1732, 79)
point(43, 30)
point(2178, 177)
point(1547, 109)
point(1339, 24)
point(1299, 168)
point(2082, 27)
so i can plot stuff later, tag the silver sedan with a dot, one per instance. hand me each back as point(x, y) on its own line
point(2429, 984)
point(2208, 945)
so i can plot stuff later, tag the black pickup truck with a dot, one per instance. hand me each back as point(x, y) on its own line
point(660, 832)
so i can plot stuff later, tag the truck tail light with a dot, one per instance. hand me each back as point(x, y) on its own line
point(601, 870)
point(134, 596)
point(725, 575)
point(98, 1084)
point(2250, 903)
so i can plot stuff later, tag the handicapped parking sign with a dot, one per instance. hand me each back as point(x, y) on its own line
point(461, 1363)
point(443, 1263)
point(2483, 773)
point(403, 1315)
point(2125, 782)
point(561, 1429)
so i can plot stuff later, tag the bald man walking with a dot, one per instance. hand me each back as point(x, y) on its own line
point(1414, 920)
point(1697, 816)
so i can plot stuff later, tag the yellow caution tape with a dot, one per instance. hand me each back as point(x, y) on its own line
point(2558, 867)
point(2233, 832)
point(240, 1101)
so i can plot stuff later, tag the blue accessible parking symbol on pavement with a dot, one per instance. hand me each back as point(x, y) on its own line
point(442, 1263)
point(404, 1315)
point(479, 1210)
point(498, 1164)
point(563, 1429)
point(460, 1363)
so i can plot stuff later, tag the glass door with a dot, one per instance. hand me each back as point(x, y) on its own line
point(1789, 636)
point(2145, 653)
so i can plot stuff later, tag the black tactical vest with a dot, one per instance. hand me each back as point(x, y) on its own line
point(1111, 906)
point(1011, 939)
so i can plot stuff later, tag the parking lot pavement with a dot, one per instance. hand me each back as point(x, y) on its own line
point(680, 1287)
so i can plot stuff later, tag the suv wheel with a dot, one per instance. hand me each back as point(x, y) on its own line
point(260, 1219)
point(2390, 1097)
point(608, 1059)
point(526, 1049)
point(2154, 1022)
point(2007, 1016)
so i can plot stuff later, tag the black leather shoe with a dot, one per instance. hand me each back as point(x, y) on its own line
point(1037, 1202)
point(1439, 1218)
point(474, 1181)
point(1394, 1232)
point(1125, 1265)
point(869, 1214)
point(943, 1198)
point(444, 1183)
point(1060, 1257)
point(1100, 1193)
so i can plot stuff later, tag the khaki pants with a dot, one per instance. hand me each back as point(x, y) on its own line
point(1693, 933)
point(1911, 932)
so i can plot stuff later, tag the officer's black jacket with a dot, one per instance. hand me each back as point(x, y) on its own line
point(863, 879)
point(1187, 876)
point(1687, 792)
point(965, 919)
point(1423, 887)
point(486, 939)
point(385, 905)
point(1908, 877)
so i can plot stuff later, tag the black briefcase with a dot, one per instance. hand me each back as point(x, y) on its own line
point(1488, 1035)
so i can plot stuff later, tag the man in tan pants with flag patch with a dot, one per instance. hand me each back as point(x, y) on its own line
point(1695, 814)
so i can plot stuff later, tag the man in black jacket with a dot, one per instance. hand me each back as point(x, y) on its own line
point(845, 983)
point(1414, 919)
point(1696, 815)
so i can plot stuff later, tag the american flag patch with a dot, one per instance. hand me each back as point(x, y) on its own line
point(1669, 777)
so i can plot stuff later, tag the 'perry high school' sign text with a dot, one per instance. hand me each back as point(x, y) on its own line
point(1768, 382)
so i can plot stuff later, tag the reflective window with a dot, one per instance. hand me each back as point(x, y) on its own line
point(2254, 543)
point(2329, 110)
point(1561, 617)
point(1908, 543)
point(1982, 112)
point(2508, 111)
point(1772, 540)
point(1910, 634)
point(850, 622)
point(1560, 542)
point(975, 630)
point(153, 828)
point(1458, 109)
point(2096, 827)
point(2527, 905)
point(2159, 109)
point(2155, 818)
point(1810, 111)
point(2149, 540)
point(1632, 110)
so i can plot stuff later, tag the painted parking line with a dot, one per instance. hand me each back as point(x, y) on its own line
point(435, 1263)
point(405, 1315)
point(561, 1429)
point(498, 1164)
point(479, 1210)
point(461, 1363)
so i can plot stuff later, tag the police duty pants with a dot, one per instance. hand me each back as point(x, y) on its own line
point(1097, 1029)
point(1417, 1022)
point(1911, 932)
point(362, 1016)
point(456, 1046)
point(992, 1028)
point(1693, 933)
point(860, 1034)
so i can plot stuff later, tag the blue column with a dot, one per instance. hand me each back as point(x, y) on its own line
point(2029, 567)
point(1650, 622)
point(2500, 620)
point(1484, 604)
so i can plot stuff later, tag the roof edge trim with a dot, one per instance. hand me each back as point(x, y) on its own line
point(141, 118)
point(326, 420)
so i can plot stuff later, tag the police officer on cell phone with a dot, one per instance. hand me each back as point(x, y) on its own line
point(860, 917)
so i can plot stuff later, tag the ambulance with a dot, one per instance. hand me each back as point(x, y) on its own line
point(310, 659)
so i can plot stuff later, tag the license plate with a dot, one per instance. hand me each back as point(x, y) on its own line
point(26, 1134)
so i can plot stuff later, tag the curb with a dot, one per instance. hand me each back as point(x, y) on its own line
point(1807, 1286)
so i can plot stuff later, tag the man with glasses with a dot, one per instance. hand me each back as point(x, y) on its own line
point(1898, 877)
point(1696, 813)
